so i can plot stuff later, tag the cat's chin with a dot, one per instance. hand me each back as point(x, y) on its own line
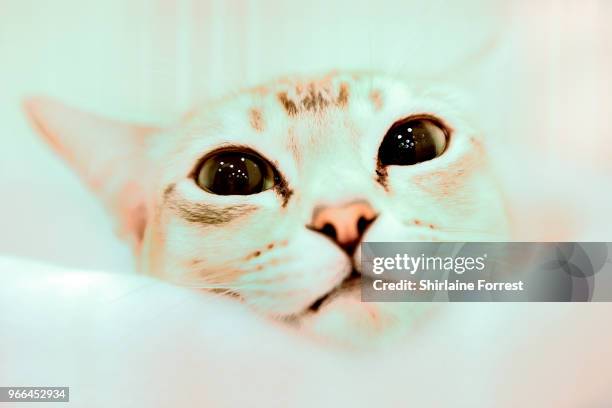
point(342, 319)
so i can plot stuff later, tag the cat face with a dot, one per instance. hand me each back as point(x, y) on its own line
point(266, 195)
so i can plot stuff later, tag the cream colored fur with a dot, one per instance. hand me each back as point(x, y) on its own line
point(268, 256)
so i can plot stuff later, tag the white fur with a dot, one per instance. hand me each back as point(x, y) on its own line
point(328, 158)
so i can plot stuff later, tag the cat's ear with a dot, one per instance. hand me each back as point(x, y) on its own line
point(108, 155)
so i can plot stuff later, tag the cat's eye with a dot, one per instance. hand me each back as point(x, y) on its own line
point(235, 173)
point(412, 141)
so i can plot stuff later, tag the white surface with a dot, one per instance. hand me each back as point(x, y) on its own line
point(139, 342)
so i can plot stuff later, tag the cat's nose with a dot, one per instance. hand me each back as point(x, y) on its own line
point(344, 224)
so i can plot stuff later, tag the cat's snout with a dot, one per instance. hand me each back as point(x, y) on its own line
point(344, 224)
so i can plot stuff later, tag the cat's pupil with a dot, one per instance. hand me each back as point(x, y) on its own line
point(412, 141)
point(235, 173)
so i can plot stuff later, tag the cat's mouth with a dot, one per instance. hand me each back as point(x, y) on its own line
point(348, 285)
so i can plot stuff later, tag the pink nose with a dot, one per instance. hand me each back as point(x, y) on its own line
point(344, 224)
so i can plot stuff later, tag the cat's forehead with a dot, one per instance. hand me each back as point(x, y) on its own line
point(331, 103)
point(302, 96)
point(291, 105)
point(308, 97)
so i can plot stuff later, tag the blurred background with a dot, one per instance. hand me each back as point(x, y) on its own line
point(535, 75)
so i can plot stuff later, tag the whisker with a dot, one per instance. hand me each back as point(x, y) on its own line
point(468, 230)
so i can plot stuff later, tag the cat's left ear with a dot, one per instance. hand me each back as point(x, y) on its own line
point(108, 155)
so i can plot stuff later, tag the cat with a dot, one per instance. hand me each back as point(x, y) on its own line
point(265, 195)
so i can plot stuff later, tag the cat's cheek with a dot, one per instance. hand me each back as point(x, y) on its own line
point(153, 252)
point(466, 206)
point(307, 269)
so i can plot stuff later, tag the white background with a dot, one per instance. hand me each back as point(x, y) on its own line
point(546, 89)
